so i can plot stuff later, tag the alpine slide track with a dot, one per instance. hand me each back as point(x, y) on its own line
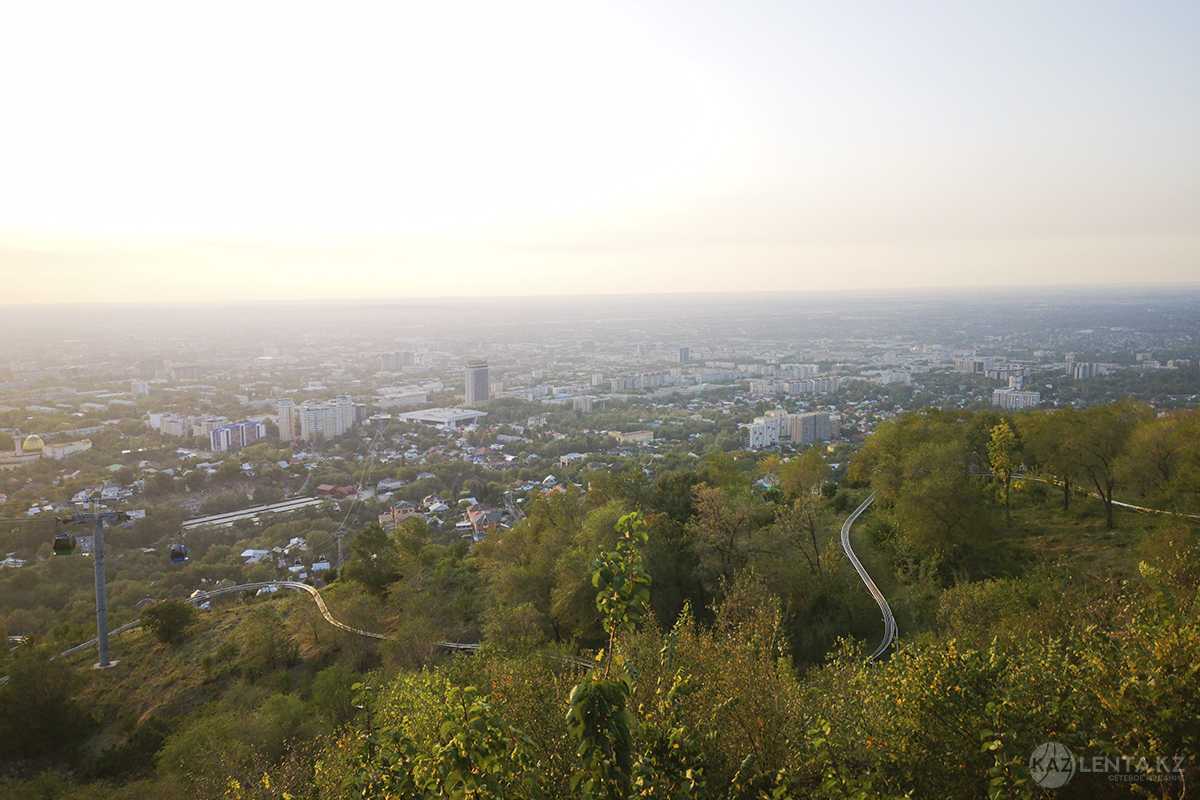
point(890, 630)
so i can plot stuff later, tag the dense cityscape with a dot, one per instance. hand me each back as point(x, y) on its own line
point(487, 411)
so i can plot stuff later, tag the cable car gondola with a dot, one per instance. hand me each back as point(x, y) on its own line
point(178, 554)
point(64, 544)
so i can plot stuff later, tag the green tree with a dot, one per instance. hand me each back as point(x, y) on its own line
point(720, 528)
point(374, 561)
point(1003, 457)
point(431, 738)
point(332, 693)
point(598, 715)
point(803, 474)
point(1162, 460)
point(169, 620)
point(1106, 432)
point(266, 644)
point(40, 717)
point(1052, 446)
point(942, 510)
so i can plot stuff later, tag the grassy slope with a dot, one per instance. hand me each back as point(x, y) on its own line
point(153, 679)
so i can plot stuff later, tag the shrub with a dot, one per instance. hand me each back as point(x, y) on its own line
point(169, 620)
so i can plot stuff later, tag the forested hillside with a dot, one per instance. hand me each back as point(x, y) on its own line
point(725, 631)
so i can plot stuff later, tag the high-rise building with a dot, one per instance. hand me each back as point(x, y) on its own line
point(236, 435)
point(765, 431)
point(345, 411)
point(324, 421)
point(175, 425)
point(810, 428)
point(476, 382)
point(586, 403)
point(288, 420)
point(1083, 370)
point(968, 364)
point(683, 355)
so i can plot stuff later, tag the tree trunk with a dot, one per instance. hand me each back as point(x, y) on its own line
point(812, 532)
point(1066, 487)
point(1105, 490)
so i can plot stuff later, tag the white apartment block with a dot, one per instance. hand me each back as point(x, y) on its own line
point(288, 420)
point(804, 386)
point(1015, 399)
point(766, 431)
point(327, 420)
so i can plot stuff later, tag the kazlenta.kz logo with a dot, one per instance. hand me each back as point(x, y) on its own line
point(1051, 765)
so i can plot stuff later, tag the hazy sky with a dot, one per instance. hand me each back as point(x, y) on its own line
point(251, 150)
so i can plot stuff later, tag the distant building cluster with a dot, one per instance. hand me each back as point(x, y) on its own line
point(972, 365)
point(894, 377)
point(640, 381)
point(394, 362)
point(994, 367)
point(769, 387)
point(317, 420)
point(184, 426)
point(778, 426)
point(796, 371)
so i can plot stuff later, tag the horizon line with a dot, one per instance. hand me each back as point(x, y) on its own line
point(765, 293)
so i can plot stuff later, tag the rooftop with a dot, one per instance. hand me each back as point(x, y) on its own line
point(442, 416)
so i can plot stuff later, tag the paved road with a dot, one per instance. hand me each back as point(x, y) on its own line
point(890, 631)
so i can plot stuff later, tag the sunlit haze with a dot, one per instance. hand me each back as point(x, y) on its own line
point(278, 151)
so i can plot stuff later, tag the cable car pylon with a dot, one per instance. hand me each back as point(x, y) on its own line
point(98, 517)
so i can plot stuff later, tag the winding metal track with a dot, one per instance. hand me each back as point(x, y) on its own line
point(296, 586)
point(890, 630)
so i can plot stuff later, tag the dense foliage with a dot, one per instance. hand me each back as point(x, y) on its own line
point(693, 630)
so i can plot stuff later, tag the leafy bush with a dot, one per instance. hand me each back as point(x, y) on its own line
point(169, 620)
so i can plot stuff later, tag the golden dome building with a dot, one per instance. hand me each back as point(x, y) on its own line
point(27, 451)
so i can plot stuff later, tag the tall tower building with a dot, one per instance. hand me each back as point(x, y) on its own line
point(345, 413)
point(476, 380)
point(288, 420)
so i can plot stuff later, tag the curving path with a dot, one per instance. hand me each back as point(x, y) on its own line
point(890, 630)
point(295, 586)
point(1024, 476)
